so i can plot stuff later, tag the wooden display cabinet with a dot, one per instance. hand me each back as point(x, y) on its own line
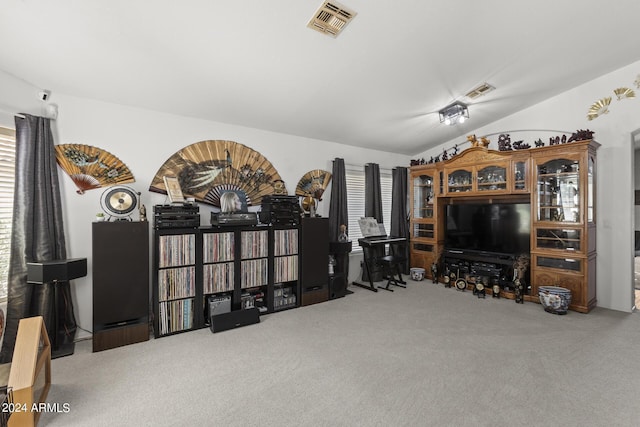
point(424, 229)
point(559, 183)
point(563, 230)
point(478, 171)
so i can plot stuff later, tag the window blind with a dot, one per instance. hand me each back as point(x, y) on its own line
point(7, 177)
point(355, 200)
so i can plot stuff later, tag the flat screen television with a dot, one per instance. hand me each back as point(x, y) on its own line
point(502, 228)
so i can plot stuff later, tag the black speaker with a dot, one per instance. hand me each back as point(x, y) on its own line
point(337, 286)
point(60, 270)
point(234, 319)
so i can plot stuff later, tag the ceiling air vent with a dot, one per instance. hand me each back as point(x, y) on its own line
point(331, 18)
point(480, 90)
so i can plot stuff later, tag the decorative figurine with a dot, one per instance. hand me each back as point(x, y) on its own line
point(504, 142)
point(143, 213)
point(539, 143)
point(434, 273)
point(496, 290)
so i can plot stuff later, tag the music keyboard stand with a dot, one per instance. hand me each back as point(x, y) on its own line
point(370, 260)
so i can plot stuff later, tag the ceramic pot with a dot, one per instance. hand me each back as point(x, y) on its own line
point(554, 299)
point(417, 274)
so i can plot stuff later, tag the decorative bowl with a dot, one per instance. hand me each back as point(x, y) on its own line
point(417, 274)
point(554, 299)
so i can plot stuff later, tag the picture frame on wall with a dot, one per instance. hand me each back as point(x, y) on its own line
point(174, 192)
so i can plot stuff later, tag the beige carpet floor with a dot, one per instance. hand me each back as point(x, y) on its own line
point(421, 356)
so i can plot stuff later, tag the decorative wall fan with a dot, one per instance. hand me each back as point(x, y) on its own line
point(91, 167)
point(206, 169)
point(313, 183)
point(624, 93)
point(599, 108)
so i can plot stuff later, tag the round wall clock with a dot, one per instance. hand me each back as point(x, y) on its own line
point(119, 202)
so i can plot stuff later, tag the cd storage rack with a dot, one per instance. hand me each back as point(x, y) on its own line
point(253, 266)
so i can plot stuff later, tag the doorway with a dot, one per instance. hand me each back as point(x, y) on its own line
point(636, 216)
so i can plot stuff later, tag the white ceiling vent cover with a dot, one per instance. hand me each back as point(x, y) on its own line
point(480, 90)
point(331, 18)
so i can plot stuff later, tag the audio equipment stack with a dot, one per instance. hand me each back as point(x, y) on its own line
point(234, 218)
point(280, 209)
point(176, 215)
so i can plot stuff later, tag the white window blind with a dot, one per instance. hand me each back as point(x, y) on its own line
point(355, 200)
point(7, 176)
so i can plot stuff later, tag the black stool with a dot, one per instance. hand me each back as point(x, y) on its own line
point(390, 265)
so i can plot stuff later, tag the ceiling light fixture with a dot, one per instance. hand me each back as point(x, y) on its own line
point(454, 114)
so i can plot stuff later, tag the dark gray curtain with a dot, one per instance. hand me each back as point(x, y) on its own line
point(338, 213)
point(399, 216)
point(37, 234)
point(372, 192)
point(373, 208)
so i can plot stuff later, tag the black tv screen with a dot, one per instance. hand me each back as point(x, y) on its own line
point(498, 227)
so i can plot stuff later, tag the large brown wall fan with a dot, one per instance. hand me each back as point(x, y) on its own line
point(91, 167)
point(313, 183)
point(206, 169)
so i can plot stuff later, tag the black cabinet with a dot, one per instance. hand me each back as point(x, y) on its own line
point(314, 254)
point(120, 283)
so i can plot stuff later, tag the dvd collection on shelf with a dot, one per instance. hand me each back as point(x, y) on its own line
point(283, 296)
point(218, 277)
point(203, 272)
point(253, 298)
point(176, 250)
point(218, 247)
point(254, 272)
point(254, 244)
point(176, 316)
point(285, 242)
point(175, 283)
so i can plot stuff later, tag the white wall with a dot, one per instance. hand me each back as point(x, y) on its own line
point(615, 181)
point(143, 140)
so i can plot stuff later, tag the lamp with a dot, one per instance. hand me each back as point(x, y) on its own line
point(454, 114)
point(52, 273)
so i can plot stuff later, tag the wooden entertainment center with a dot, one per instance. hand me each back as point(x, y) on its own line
point(559, 183)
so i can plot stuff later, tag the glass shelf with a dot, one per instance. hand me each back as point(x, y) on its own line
point(423, 231)
point(492, 178)
point(558, 238)
point(423, 196)
point(558, 191)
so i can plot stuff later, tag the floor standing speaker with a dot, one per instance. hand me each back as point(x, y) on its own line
point(120, 283)
point(314, 254)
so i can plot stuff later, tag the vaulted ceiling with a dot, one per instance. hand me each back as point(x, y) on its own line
point(255, 63)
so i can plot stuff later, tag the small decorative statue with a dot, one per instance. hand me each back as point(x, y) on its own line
point(434, 272)
point(520, 267)
point(143, 213)
point(342, 237)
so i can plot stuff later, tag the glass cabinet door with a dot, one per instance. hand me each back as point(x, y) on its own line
point(459, 181)
point(423, 231)
point(492, 178)
point(519, 176)
point(558, 191)
point(590, 189)
point(558, 238)
point(423, 196)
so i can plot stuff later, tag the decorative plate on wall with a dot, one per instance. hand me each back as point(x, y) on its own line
point(91, 167)
point(313, 183)
point(206, 169)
